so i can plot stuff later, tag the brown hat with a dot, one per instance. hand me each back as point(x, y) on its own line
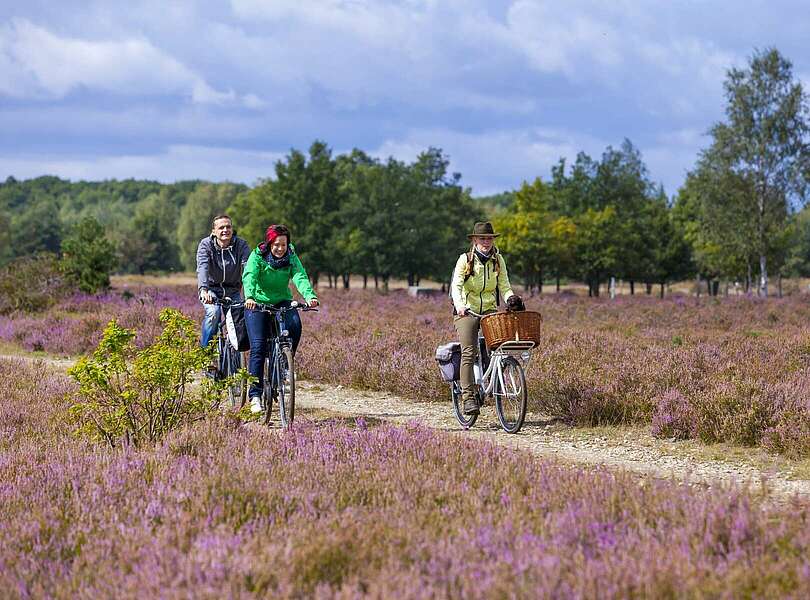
point(483, 230)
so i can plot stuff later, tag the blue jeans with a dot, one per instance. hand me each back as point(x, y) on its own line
point(259, 326)
point(210, 322)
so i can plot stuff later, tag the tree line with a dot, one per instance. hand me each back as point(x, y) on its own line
point(738, 217)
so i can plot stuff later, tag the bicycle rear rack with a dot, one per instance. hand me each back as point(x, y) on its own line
point(514, 347)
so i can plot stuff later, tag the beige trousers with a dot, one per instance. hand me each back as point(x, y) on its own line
point(467, 329)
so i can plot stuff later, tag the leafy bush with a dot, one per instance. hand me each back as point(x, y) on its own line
point(88, 256)
point(140, 395)
point(31, 284)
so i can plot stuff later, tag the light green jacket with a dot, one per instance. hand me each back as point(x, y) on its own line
point(477, 293)
point(267, 285)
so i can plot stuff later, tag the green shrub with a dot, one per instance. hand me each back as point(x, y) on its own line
point(31, 283)
point(88, 257)
point(137, 396)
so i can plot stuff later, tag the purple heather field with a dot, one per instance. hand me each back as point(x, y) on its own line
point(338, 509)
point(733, 369)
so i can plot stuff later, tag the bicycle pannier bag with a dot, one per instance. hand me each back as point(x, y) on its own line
point(237, 329)
point(449, 358)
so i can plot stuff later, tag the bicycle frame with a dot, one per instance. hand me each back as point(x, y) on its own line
point(494, 373)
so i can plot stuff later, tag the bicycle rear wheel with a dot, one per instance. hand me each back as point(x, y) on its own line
point(510, 401)
point(286, 387)
point(466, 421)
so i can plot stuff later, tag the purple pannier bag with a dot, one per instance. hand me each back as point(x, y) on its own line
point(449, 358)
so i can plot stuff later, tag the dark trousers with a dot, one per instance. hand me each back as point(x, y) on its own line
point(259, 326)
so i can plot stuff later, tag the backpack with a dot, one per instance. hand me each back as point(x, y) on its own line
point(237, 329)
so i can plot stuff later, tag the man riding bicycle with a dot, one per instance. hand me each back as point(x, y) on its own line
point(269, 270)
point(480, 274)
point(221, 257)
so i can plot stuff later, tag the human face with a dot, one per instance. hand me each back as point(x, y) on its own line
point(484, 243)
point(278, 247)
point(223, 231)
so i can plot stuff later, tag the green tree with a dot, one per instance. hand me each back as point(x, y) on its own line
point(203, 204)
point(527, 234)
point(597, 246)
point(88, 257)
point(36, 228)
point(147, 242)
point(764, 143)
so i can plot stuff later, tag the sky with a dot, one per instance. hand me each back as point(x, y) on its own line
point(220, 90)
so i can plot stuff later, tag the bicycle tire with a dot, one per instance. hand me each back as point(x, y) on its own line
point(267, 392)
point(466, 421)
point(231, 363)
point(510, 403)
point(286, 388)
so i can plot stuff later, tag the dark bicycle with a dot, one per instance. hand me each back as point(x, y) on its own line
point(229, 359)
point(279, 377)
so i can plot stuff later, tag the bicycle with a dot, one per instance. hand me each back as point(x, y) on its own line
point(279, 378)
point(229, 359)
point(499, 374)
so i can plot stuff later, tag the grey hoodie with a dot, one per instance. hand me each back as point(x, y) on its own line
point(221, 268)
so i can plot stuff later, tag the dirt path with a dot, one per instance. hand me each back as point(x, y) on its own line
point(637, 452)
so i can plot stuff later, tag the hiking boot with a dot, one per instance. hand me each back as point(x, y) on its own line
point(255, 405)
point(471, 406)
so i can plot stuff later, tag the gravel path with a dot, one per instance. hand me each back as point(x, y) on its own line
point(636, 452)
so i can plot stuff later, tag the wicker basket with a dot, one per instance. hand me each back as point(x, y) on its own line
point(502, 327)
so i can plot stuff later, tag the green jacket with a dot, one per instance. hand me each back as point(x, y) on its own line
point(267, 285)
point(477, 293)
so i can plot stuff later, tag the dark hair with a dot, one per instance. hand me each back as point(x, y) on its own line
point(218, 217)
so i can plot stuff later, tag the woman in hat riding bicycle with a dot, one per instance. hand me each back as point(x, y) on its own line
point(479, 277)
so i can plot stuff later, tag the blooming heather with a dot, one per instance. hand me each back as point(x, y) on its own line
point(221, 509)
point(730, 369)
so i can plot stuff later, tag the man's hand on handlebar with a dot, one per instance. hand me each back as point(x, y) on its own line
point(250, 303)
point(313, 303)
point(206, 297)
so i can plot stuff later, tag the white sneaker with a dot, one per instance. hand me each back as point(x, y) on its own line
point(255, 405)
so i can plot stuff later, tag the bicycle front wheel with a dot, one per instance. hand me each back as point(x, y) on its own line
point(511, 395)
point(286, 387)
point(267, 391)
point(230, 364)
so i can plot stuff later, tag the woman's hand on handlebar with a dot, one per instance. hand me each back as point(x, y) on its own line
point(250, 303)
point(462, 312)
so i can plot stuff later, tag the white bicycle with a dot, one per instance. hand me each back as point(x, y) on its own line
point(501, 375)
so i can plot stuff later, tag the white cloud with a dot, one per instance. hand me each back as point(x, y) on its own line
point(561, 39)
point(36, 62)
point(177, 162)
point(493, 161)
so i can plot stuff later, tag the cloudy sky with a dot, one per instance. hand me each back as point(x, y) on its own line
point(220, 90)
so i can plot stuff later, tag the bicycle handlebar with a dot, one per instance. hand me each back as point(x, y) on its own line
point(294, 306)
point(226, 302)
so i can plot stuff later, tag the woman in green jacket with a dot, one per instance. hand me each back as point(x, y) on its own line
point(266, 280)
point(478, 276)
